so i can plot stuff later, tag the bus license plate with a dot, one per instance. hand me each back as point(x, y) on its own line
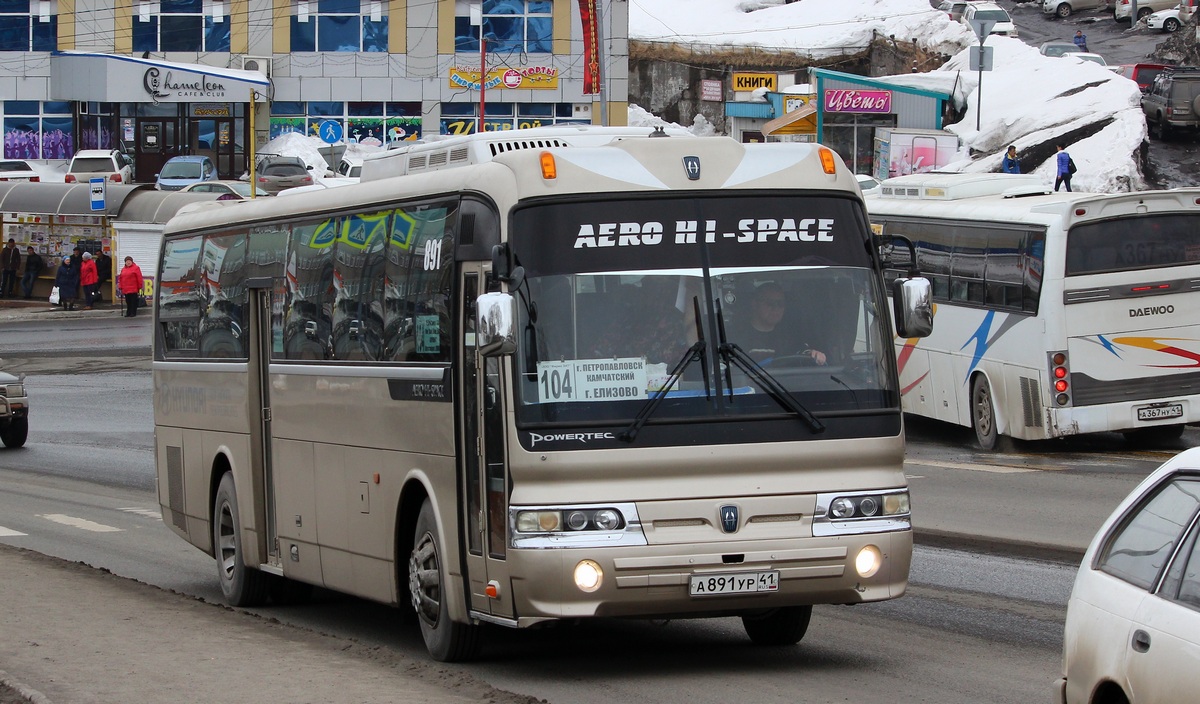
point(1174, 410)
point(733, 583)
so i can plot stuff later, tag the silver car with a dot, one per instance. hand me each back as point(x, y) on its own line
point(1064, 8)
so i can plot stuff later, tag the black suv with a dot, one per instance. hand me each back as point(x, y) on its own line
point(1173, 101)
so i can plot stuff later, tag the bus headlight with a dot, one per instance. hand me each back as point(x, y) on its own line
point(607, 519)
point(588, 576)
point(556, 521)
point(859, 512)
point(869, 506)
point(868, 561)
point(539, 521)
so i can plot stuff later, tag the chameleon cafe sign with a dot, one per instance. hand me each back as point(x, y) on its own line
point(181, 87)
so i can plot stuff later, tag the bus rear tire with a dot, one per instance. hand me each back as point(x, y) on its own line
point(983, 413)
point(240, 585)
point(785, 626)
point(445, 640)
point(1154, 437)
point(15, 433)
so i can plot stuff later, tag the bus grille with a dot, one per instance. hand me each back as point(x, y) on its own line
point(1031, 402)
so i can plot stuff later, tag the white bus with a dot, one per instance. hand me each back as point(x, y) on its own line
point(512, 391)
point(1057, 313)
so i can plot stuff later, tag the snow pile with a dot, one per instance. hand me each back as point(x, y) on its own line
point(816, 28)
point(639, 117)
point(298, 145)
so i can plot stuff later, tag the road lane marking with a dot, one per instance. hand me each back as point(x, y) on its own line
point(145, 512)
point(10, 533)
point(81, 523)
point(993, 468)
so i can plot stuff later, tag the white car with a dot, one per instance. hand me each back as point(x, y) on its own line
point(1165, 20)
point(990, 11)
point(350, 166)
point(109, 163)
point(1123, 8)
point(1133, 620)
point(18, 170)
point(1087, 56)
point(868, 184)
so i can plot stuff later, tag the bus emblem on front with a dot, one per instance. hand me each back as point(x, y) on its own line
point(729, 519)
point(691, 166)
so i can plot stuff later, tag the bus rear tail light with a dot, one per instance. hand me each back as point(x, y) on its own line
point(1060, 376)
point(828, 163)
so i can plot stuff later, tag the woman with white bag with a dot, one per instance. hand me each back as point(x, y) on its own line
point(66, 283)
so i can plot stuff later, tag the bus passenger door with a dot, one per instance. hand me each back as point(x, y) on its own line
point(484, 470)
point(260, 386)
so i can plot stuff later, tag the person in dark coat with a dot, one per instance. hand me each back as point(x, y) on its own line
point(67, 281)
point(104, 269)
point(33, 267)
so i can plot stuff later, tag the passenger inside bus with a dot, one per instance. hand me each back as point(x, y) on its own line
point(764, 335)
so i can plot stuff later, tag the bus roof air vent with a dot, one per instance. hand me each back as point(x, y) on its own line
point(437, 159)
point(955, 186)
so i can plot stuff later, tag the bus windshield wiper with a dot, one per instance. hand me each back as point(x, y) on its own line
point(732, 354)
point(693, 353)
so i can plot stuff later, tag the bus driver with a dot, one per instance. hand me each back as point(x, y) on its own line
point(762, 336)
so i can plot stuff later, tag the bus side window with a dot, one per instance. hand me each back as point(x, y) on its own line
point(419, 270)
point(179, 298)
point(306, 318)
point(222, 273)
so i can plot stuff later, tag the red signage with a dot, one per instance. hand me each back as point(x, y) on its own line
point(844, 100)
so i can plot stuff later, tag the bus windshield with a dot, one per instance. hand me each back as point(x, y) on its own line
point(736, 297)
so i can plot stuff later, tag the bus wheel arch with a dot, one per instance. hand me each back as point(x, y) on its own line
point(983, 416)
point(445, 639)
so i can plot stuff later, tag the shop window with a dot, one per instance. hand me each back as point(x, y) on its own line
point(181, 25)
point(34, 130)
point(28, 25)
point(522, 26)
point(339, 25)
point(463, 118)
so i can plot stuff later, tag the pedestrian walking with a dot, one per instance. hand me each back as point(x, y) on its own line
point(33, 266)
point(129, 283)
point(10, 261)
point(67, 281)
point(1080, 40)
point(1065, 167)
point(1011, 165)
point(89, 279)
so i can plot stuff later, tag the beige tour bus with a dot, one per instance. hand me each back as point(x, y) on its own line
point(647, 377)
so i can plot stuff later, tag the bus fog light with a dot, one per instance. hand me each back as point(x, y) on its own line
point(607, 519)
point(895, 504)
point(867, 563)
point(841, 508)
point(588, 576)
point(577, 520)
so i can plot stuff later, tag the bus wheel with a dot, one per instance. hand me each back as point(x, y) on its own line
point(1153, 437)
point(983, 414)
point(240, 585)
point(785, 626)
point(15, 433)
point(445, 640)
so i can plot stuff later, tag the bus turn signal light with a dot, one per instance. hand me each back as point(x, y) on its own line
point(549, 168)
point(828, 163)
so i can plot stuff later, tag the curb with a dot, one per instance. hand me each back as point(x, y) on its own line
point(31, 695)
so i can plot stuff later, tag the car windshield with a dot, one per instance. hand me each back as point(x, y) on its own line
point(614, 308)
point(14, 166)
point(997, 15)
point(181, 169)
point(92, 165)
point(242, 189)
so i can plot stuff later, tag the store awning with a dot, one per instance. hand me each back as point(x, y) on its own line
point(802, 121)
point(109, 78)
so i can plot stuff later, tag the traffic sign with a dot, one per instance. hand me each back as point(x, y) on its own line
point(982, 28)
point(330, 131)
point(981, 58)
point(97, 186)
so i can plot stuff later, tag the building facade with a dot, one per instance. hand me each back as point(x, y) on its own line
point(159, 78)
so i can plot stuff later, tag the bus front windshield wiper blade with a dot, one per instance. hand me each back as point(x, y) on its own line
point(732, 354)
point(693, 353)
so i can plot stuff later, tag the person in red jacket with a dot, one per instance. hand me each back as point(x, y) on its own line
point(129, 283)
point(89, 279)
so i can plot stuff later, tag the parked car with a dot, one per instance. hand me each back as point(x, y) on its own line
point(1165, 20)
point(868, 184)
point(1173, 101)
point(229, 190)
point(1057, 48)
point(954, 9)
point(990, 11)
point(279, 173)
point(1088, 56)
point(1143, 74)
point(1064, 8)
point(350, 166)
point(1132, 631)
point(14, 410)
point(18, 170)
point(1145, 8)
point(91, 163)
point(181, 171)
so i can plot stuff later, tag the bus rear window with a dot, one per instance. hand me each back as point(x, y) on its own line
point(1134, 243)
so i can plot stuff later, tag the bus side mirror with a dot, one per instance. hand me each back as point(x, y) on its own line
point(912, 300)
point(495, 324)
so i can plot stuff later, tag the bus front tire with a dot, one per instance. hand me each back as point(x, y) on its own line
point(445, 640)
point(785, 626)
point(983, 413)
point(15, 433)
point(240, 585)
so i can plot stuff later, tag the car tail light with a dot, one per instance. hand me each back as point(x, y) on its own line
point(69, 179)
point(116, 178)
point(36, 179)
point(308, 179)
point(1060, 376)
point(262, 179)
